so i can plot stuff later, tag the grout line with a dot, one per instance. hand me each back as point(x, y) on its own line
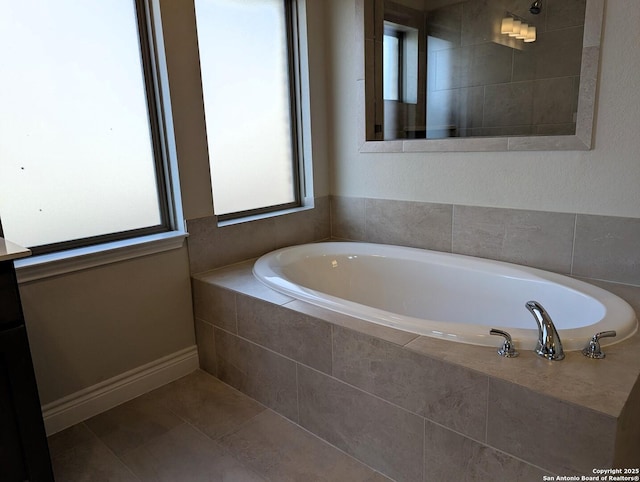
point(239, 427)
point(490, 447)
point(327, 443)
point(118, 458)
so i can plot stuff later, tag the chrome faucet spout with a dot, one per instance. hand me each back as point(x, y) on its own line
point(549, 345)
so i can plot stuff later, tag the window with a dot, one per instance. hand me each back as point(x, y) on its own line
point(247, 62)
point(400, 63)
point(392, 62)
point(80, 147)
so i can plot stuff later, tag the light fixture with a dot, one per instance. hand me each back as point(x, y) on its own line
point(531, 35)
point(507, 25)
point(524, 29)
point(515, 27)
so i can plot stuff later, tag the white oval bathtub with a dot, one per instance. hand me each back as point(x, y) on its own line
point(449, 296)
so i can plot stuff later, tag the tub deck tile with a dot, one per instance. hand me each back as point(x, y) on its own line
point(445, 393)
point(260, 373)
point(292, 334)
point(570, 380)
point(382, 435)
point(239, 277)
point(386, 333)
point(451, 457)
point(564, 438)
point(215, 305)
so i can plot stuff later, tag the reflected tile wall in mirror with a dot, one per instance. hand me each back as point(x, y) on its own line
point(480, 82)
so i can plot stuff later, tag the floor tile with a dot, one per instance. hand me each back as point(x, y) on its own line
point(62, 441)
point(280, 450)
point(207, 403)
point(197, 429)
point(88, 460)
point(132, 424)
point(184, 454)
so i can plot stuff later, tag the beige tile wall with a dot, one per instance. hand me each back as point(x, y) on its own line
point(212, 245)
point(412, 407)
point(584, 245)
point(417, 408)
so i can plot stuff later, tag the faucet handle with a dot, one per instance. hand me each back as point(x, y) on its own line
point(507, 350)
point(592, 350)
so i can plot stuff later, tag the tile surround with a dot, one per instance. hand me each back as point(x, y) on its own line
point(461, 396)
point(607, 248)
point(260, 373)
point(553, 426)
point(212, 246)
point(276, 367)
point(532, 238)
point(382, 435)
point(384, 223)
point(441, 392)
point(302, 338)
point(450, 457)
point(214, 306)
point(588, 246)
point(206, 346)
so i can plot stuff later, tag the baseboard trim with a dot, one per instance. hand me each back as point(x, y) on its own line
point(98, 398)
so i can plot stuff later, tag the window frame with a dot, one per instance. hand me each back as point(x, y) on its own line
point(169, 215)
point(105, 252)
point(294, 73)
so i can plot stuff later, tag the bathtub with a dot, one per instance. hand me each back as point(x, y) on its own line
point(449, 296)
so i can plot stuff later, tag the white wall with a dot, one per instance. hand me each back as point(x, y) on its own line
point(601, 181)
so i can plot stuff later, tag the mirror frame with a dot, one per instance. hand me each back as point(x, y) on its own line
point(366, 87)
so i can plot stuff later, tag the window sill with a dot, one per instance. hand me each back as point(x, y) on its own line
point(258, 217)
point(54, 264)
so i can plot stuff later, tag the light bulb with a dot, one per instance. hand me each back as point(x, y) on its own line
point(516, 28)
point(524, 28)
point(531, 34)
point(507, 25)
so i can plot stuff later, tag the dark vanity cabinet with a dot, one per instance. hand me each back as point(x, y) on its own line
point(24, 454)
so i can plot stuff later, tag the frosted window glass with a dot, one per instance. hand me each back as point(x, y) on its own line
point(76, 155)
point(391, 65)
point(244, 63)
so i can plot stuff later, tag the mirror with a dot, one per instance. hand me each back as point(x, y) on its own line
point(478, 75)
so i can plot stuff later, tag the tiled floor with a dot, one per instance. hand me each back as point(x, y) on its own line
point(197, 429)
